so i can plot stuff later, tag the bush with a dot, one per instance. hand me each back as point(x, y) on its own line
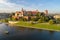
point(21, 19)
point(33, 19)
point(13, 19)
point(33, 22)
point(51, 22)
point(58, 19)
point(40, 21)
point(24, 19)
point(6, 20)
point(46, 19)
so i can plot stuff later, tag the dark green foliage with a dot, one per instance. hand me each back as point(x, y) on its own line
point(40, 21)
point(24, 19)
point(38, 15)
point(34, 19)
point(6, 20)
point(10, 17)
point(13, 19)
point(42, 14)
point(21, 19)
point(58, 20)
point(46, 19)
point(42, 18)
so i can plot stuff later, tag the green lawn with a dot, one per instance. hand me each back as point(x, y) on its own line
point(40, 25)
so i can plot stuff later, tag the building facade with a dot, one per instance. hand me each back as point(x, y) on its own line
point(26, 14)
point(56, 16)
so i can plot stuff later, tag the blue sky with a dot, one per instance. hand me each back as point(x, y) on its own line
point(15, 5)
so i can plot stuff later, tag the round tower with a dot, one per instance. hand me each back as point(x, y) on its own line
point(46, 12)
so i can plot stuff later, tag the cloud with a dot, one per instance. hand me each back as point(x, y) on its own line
point(3, 1)
point(8, 6)
point(6, 3)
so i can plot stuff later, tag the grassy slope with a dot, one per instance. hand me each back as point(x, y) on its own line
point(39, 25)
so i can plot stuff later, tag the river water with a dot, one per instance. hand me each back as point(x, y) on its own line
point(20, 33)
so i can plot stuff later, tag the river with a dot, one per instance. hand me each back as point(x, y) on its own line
point(20, 33)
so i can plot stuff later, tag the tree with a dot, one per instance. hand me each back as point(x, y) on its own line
point(10, 16)
point(6, 20)
point(24, 19)
point(42, 14)
point(46, 19)
point(13, 19)
point(51, 22)
point(40, 21)
point(38, 15)
point(58, 20)
point(13, 13)
point(21, 19)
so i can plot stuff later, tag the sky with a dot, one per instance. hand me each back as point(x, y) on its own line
point(53, 6)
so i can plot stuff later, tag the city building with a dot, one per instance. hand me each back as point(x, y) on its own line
point(56, 16)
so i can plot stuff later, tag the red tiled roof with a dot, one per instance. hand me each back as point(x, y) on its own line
point(34, 12)
point(18, 12)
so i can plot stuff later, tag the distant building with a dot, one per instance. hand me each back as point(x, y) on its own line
point(28, 14)
point(56, 16)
